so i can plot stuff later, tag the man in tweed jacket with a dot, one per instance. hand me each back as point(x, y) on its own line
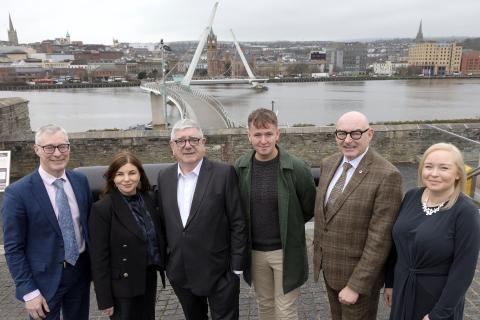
point(354, 214)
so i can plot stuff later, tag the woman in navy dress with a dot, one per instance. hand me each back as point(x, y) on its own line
point(437, 239)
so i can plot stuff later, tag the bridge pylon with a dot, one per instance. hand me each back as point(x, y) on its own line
point(158, 111)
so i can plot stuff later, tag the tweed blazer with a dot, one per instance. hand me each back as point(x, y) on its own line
point(353, 239)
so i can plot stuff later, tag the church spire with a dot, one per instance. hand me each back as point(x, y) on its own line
point(419, 37)
point(12, 33)
point(10, 23)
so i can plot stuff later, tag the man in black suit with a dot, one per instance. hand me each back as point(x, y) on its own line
point(205, 227)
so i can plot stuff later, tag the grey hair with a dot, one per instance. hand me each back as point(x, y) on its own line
point(185, 124)
point(49, 129)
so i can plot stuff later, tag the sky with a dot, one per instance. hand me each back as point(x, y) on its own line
point(100, 21)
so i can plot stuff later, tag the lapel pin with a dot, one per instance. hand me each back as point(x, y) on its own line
point(361, 171)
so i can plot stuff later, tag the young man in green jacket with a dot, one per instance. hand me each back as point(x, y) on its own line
point(278, 193)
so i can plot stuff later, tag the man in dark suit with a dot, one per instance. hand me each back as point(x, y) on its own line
point(358, 198)
point(205, 227)
point(45, 231)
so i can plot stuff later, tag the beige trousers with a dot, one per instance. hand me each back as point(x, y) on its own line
point(267, 275)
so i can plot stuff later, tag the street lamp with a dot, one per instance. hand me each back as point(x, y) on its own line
point(162, 48)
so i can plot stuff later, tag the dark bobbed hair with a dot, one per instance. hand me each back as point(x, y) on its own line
point(118, 161)
point(262, 117)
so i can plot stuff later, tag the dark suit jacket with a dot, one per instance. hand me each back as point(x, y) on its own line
point(214, 239)
point(353, 239)
point(33, 239)
point(119, 249)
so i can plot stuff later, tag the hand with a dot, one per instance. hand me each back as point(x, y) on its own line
point(238, 273)
point(108, 312)
point(37, 307)
point(387, 295)
point(426, 317)
point(347, 296)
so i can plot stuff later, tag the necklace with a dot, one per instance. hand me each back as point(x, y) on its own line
point(429, 211)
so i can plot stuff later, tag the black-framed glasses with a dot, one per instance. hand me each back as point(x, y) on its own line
point(193, 141)
point(355, 134)
point(50, 148)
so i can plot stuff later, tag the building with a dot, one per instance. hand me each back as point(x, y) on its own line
point(63, 41)
point(15, 53)
point(435, 58)
point(470, 62)
point(219, 64)
point(98, 56)
point(318, 56)
point(384, 68)
point(347, 58)
point(12, 33)
point(109, 71)
point(355, 58)
point(388, 68)
point(334, 60)
point(7, 74)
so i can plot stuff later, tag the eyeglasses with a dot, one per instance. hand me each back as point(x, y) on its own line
point(50, 148)
point(183, 142)
point(355, 134)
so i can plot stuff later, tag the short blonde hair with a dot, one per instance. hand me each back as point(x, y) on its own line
point(459, 164)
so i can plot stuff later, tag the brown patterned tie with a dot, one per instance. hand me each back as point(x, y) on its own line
point(338, 187)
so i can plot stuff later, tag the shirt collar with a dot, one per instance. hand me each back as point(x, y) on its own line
point(48, 178)
point(195, 171)
point(355, 162)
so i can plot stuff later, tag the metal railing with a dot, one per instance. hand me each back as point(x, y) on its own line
point(210, 100)
point(157, 89)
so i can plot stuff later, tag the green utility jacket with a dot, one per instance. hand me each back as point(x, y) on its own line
point(296, 202)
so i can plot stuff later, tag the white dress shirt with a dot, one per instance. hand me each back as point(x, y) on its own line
point(355, 162)
point(185, 191)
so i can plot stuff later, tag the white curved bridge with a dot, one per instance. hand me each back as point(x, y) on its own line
point(191, 103)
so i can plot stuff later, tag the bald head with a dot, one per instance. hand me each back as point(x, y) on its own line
point(354, 117)
point(356, 124)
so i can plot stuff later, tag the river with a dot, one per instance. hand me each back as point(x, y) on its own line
point(318, 103)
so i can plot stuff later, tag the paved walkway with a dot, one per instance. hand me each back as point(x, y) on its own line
point(313, 302)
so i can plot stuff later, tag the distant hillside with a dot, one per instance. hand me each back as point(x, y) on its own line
point(471, 43)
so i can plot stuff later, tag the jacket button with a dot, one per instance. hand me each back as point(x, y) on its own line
point(125, 275)
point(124, 245)
point(124, 259)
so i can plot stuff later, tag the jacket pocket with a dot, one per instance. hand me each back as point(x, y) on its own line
point(38, 266)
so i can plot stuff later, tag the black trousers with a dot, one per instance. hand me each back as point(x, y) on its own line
point(223, 300)
point(139, 307)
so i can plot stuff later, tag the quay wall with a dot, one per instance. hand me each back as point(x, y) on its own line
point(14, 116)
point(24, 87)
point(398, 143)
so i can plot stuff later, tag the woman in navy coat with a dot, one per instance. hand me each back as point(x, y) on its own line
point(437, 239)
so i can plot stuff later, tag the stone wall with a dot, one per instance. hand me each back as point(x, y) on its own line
point(398, 143)
point(14, 116)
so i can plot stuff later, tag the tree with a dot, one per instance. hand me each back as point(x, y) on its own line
point(142, 75)
point(153, 74)
point(297, 68)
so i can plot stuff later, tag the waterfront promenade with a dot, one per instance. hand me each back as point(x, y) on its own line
point(313, 299)
point(313, 302)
